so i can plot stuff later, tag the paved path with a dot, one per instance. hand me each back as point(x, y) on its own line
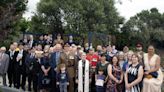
point(8, 89)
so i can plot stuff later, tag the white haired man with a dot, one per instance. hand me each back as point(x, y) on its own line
point(4, 63)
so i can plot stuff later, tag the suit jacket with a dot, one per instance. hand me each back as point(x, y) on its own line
point(12, 60)
point(29, 63)
point(71, 63)
point(34, 43)
point(55, 59)
point(24, 57)
point(4, 63)
point(20, 65)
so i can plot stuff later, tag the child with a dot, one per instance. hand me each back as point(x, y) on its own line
point(100, 80)
point(62, 78)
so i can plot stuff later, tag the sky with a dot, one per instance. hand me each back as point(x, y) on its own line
point(31, 8)
point(127, 8)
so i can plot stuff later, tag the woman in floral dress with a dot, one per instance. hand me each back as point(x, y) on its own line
point(115, 74)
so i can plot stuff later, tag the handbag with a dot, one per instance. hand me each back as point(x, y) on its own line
point(154, 74)
point(148, 76)
point(46, 80)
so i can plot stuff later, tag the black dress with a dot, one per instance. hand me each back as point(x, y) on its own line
point(132, 75)
point(44, 81)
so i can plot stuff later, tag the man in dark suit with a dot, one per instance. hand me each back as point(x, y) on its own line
point(54, 62)
point(31, 42)
point(12, 55)
point(30, 65)
point(20, 67)
point(4, 63)
point(41, 41)
point(70, 40)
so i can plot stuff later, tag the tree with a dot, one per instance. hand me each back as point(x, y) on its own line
point(77, 16)
point(10, 13)
point(145, 27)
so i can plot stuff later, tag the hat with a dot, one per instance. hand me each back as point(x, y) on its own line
point(73, 45)
point(66, 45)
point(79, 47)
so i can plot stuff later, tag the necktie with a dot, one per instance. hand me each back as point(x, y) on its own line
point(32, 55)
point(12, 54)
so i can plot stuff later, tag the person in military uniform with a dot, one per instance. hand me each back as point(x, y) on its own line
point(139, 50)
point(70, 60)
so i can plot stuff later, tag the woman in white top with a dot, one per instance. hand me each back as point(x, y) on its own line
point(153, 74)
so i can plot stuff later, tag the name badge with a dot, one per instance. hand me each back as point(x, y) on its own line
point(94, 60)
point(71, 57)
point(100, 82)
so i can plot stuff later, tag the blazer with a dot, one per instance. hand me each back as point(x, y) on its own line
point(29, 63)
point(4, 63)
point(12, 60)
point(24, 57)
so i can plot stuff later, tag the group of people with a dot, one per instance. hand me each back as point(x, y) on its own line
point(55, 66)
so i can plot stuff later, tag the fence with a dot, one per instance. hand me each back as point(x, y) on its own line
point(99, 39)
